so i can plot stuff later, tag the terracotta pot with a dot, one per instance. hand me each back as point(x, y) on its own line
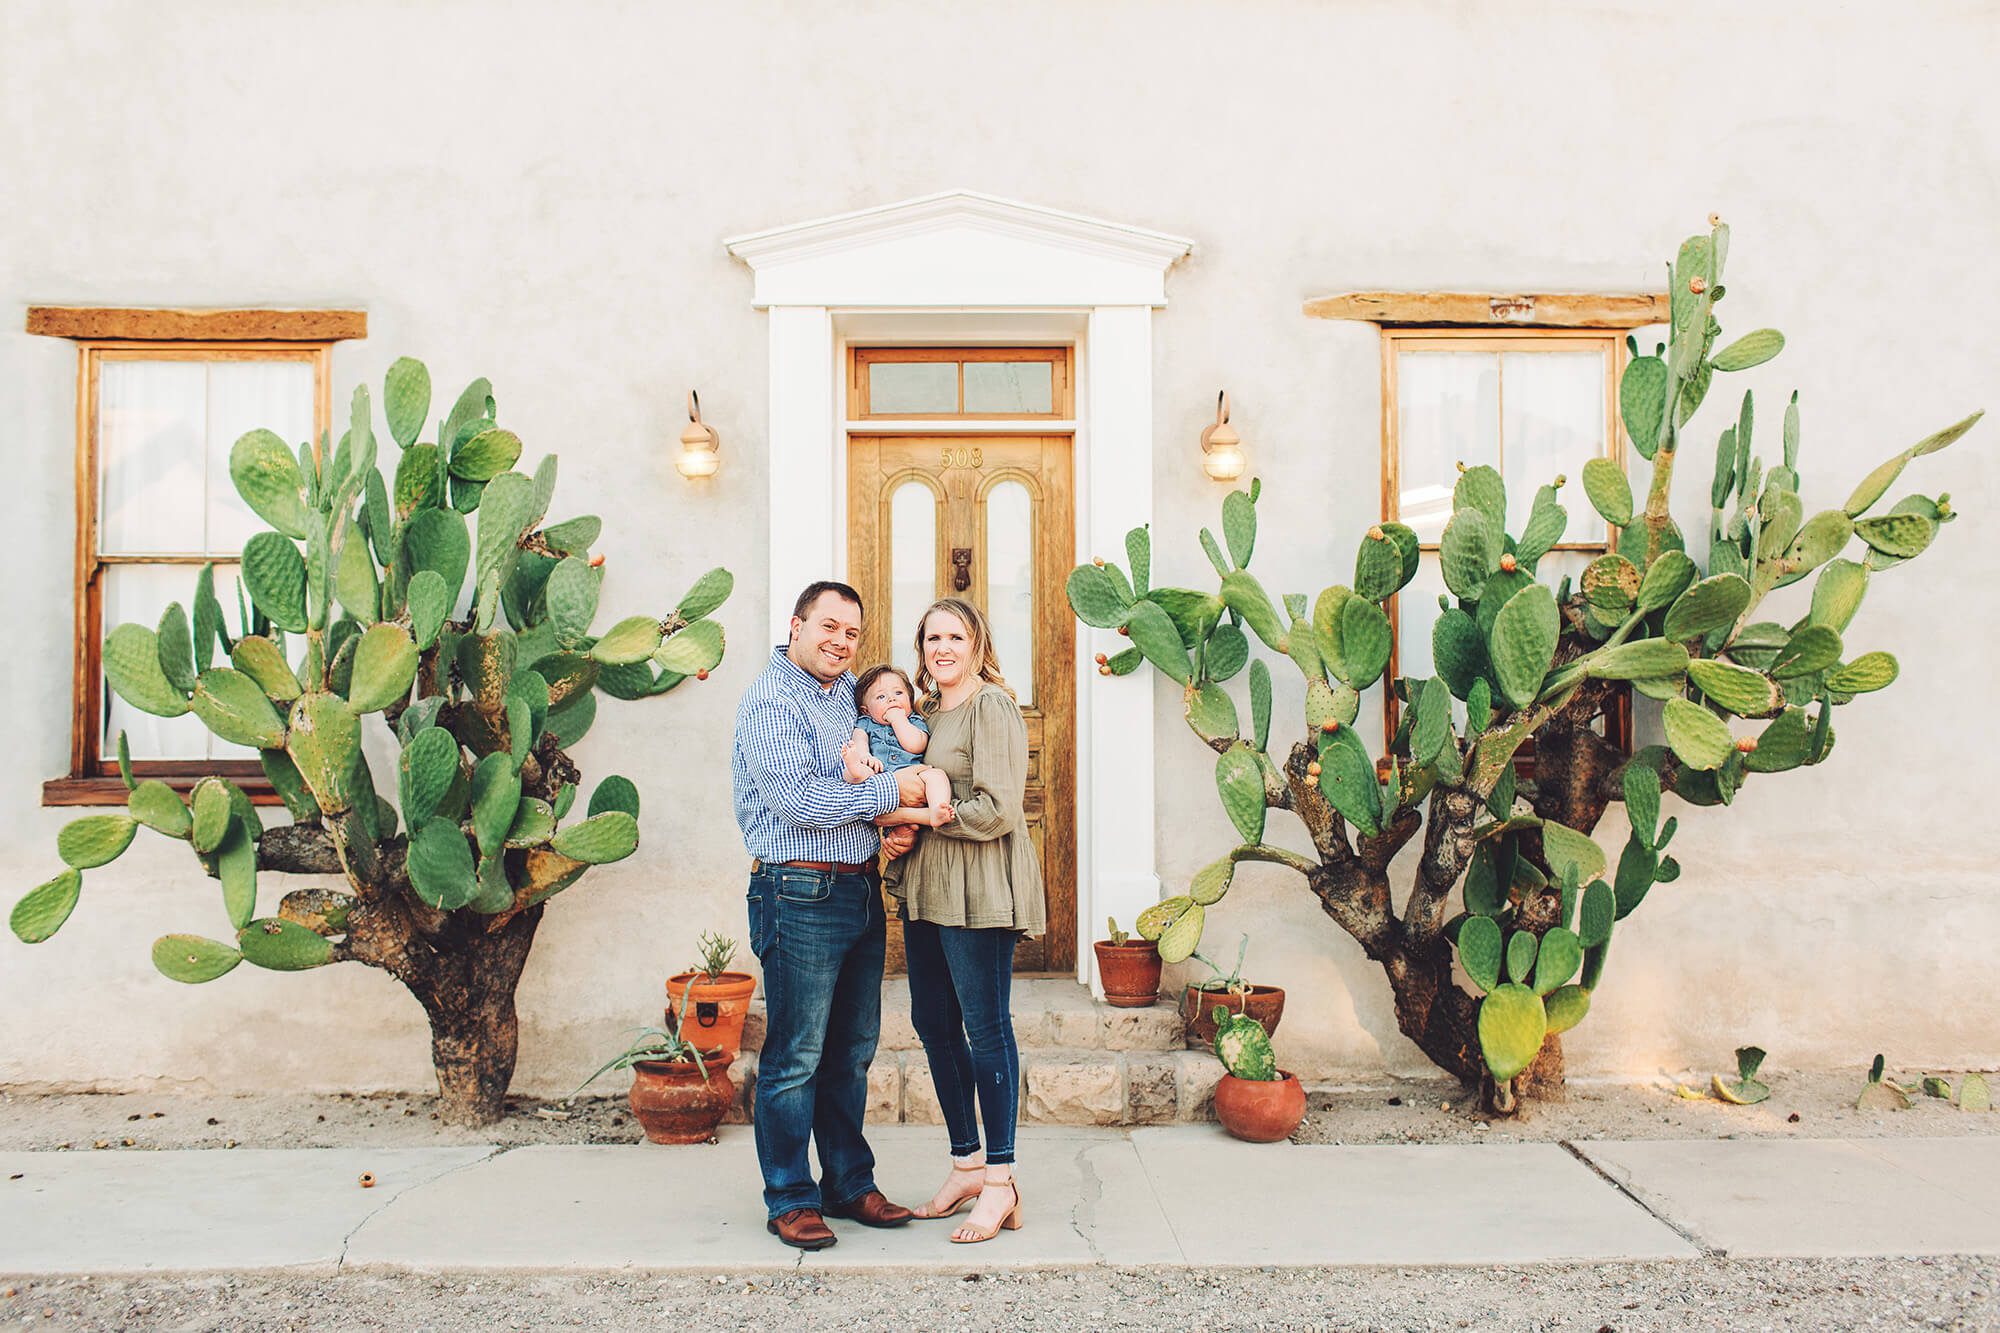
point(1260, 1111)
point(1130, 972)
point(716, 1011)
point(1266, 1004)
point(674, 1105)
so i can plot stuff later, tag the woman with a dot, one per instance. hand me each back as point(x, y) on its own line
point(969, 890)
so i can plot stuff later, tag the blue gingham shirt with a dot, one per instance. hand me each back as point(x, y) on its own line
point(792, 802)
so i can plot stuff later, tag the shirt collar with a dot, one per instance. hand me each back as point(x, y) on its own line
point(799, 677)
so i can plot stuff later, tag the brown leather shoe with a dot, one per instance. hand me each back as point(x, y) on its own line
point(802, 1229)
point(872, 1210)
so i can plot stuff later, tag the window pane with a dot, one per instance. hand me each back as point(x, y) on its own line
point(244, 396)
point(1009, 386)
point(1010, 583)
point(913, 565)
point(1447, 407)
point(151, 424)
point(1554, 421)
point(139, 593)
point(913, 386)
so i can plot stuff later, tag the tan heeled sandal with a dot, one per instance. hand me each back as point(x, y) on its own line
point(1011, 1222)
point(960, 1204)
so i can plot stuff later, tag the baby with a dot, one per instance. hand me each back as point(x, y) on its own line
point(890, 736)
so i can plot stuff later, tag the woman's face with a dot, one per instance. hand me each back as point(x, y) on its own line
point(947, 648)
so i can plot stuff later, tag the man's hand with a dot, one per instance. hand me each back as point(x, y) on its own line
point(898, 840)
point(909, 787)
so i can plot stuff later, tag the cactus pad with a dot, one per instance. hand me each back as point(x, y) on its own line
point(385, 666)
point(1699, 738)
point(696, 648)
point(1566, 1007)
point(1709, 605)
point(1512, 1024)
point(1868, 672)
point(1244, 1047)
point(192, 959)
point(1480, 950)
point(1240, 780)
point(1558, 959)
point(131, 659)
point(440, 865)
point(323, 739)
point(95, 840)
point(1739, 690)
point(282, 945)
point(42, 910)
point(1347, 780)
point(611, 835)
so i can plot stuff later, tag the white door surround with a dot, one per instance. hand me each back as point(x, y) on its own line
point(967, 267)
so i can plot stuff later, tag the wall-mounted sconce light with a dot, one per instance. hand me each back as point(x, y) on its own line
point(698, 443)
point(1221, 446)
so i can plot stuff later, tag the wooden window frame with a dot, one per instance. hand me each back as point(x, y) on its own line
point(1062, 395)
point(145, 335)
point(1491, 338)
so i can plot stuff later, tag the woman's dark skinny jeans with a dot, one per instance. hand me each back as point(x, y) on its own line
point(961, 984)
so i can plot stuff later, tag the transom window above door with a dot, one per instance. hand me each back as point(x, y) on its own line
point(971, 383)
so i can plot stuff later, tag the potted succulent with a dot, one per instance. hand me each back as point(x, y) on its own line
point(721, 997)
point(1256, 1101)
point(1129, 969)
point(1228, 992)
point(679, 1094)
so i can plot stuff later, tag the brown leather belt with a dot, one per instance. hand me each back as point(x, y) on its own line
point(824, 867)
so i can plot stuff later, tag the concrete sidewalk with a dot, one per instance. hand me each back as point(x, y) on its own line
point(1181, 1195)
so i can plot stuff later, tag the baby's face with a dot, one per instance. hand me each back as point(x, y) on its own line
point(887, 692)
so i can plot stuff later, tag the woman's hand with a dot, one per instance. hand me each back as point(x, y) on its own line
point(896, 841)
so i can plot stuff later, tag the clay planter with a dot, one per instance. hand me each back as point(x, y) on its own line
point(1130, 972)
point(672, 1103)
point(1260, 1111)
point(715, 1012)
point(1266, 1004)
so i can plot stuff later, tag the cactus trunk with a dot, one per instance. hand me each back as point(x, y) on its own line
point(469, 997)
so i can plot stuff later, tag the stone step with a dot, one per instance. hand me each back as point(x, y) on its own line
point(1059, 1086)
point(1049, 1012)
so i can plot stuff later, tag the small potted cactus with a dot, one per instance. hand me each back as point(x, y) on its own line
point(1230, 992)
point(679, 1094)
point(1129, 969)
point(721, 998)
point(1256, 1101)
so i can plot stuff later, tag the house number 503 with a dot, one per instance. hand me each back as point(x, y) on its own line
point(972, 457)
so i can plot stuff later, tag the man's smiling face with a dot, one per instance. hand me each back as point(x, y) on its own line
point(826, 638)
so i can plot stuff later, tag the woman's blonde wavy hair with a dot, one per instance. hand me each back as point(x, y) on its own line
point(987, 665)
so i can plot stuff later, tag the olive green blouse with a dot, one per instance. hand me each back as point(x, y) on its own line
point(980, 870)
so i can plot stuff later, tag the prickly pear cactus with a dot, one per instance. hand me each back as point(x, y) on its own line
point(1244, 1047)
point(442, 602)
point(1513, 893)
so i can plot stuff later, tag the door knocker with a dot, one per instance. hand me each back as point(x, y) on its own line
point(961, 568)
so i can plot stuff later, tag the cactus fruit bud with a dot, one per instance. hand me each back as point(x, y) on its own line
point(1508, 563)
point(597, 561)
point(1746, 743)
point(702, 674)
point(1102, 659)
point(1097, 560)
point(1697, 284)
point(1330, 726)
point(368, 1180)
point(1460, 465)
point(1715, 219)
point(1312, 769)
point(1375, 533)
point(1104, 671)
point(1126, 632)
point(1561, 481)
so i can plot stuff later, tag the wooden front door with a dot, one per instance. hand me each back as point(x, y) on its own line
point(989, 519)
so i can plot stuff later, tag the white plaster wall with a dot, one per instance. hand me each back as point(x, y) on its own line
point(537, 193)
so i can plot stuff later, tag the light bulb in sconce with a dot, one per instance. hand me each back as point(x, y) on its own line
point(1221, 447)
point(698, 443)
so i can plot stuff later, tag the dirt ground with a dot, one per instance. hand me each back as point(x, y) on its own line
point(1721, 1294)
point(1816, 1106)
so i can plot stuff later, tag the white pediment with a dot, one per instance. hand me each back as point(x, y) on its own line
point(959, 248)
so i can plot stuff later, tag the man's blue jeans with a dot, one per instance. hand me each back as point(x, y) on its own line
point(820, 937)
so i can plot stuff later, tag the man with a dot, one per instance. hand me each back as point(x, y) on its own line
point(816, 919)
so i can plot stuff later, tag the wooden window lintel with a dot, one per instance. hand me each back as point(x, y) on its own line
point(114, 323)
point(1595, 310)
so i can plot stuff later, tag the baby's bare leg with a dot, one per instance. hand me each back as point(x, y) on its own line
point(937, 793)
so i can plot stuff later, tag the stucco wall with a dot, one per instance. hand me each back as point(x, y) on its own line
point(538, 194)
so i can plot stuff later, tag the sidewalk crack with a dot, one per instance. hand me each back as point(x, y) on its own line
point(1083, 1216)
point(340, 1261)
point(1706, 1251)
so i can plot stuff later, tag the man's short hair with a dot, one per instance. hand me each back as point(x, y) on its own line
point(812, 594)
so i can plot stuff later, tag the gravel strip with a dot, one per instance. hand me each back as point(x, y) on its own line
point(1704, 1294)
